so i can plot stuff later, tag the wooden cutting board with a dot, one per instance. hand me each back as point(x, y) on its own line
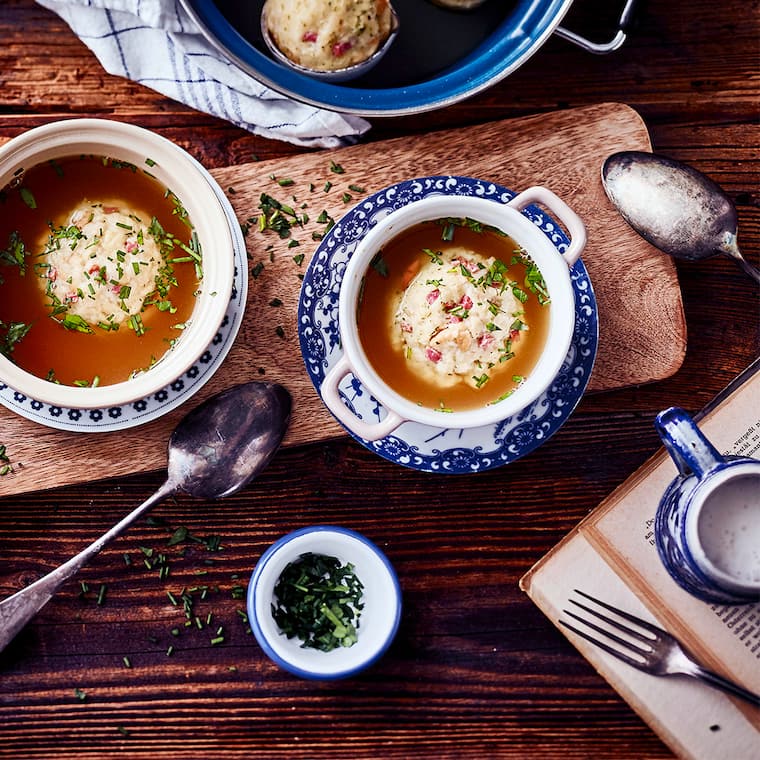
point(642, 329)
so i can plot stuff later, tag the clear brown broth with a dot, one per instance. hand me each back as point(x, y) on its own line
point(75, 357)
point(380, 294)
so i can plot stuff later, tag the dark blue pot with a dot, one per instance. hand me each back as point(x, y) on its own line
point(440, 56)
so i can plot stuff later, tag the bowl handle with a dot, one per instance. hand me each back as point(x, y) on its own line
point(332, 400)
point(575, 228)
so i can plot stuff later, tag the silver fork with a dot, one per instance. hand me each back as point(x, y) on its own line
point(649, 649)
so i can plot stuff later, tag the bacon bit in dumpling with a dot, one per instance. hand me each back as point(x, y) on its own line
point(471, 266)
point(486, 340)
point(341, 48)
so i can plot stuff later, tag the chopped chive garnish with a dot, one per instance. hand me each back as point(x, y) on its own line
point(28, 197)
point(318, 600)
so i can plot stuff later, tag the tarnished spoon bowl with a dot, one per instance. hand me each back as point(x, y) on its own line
point(675, 207)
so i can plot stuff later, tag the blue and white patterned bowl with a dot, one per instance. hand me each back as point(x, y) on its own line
point(424, 447)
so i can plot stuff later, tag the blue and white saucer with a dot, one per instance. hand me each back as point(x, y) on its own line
point(168, 398)
point(423, 447)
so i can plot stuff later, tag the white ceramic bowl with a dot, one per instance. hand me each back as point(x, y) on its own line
point(174, 169)
point(379, 619)
point(554, 267)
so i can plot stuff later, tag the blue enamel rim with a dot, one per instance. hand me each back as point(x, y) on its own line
point(264, 641)
point(509, 46)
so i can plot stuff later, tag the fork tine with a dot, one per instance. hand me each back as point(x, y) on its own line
point(631, 645)
point(606, 647)
point(621, 613)
point(615, 624)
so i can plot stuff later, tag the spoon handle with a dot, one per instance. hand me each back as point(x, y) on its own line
point(729, 246)
point(17, 610)
point(748, 268)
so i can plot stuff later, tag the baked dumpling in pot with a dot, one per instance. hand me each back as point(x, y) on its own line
point(328, 35)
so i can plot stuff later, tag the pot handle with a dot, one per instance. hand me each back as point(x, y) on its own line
point(332, 400)
point(604, 47)
point(575, 228)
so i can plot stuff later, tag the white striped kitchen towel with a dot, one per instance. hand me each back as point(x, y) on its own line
point(157, 44)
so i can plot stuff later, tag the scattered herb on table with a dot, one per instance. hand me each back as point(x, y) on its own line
point(319, 601)
point(5, 462)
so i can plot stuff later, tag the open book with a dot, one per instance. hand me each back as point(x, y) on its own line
point(612, 555)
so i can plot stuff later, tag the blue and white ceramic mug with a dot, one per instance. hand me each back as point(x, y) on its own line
point(707, 526)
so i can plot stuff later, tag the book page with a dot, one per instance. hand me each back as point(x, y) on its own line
point(725, 638)
point(695, 720)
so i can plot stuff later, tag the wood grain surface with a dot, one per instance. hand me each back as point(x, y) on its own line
point(642, 335)
point(476, 670)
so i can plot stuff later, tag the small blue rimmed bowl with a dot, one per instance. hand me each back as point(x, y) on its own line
point(379, 618)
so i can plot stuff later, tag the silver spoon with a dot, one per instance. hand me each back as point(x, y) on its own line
point(675, 207)
point(215, 450)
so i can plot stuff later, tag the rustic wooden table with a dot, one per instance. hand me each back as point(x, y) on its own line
point(476, 670)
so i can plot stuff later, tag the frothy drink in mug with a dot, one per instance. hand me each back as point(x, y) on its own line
point(707, 526)
point(727, 527)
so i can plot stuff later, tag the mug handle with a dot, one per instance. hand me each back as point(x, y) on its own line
point(575, 228)
point(332, 400)
point(684, 441)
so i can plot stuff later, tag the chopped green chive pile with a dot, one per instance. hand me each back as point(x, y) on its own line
point(319, 601)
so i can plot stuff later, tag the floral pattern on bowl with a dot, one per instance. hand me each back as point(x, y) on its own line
point(423, 447)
